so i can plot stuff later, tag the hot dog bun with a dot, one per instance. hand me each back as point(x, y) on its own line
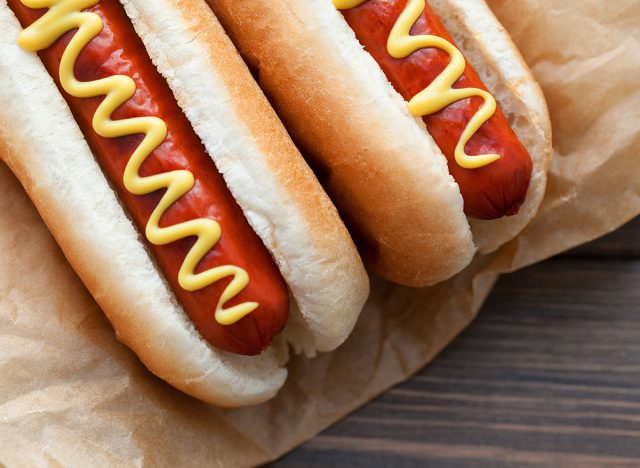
point(379, 164)
point(279, 195)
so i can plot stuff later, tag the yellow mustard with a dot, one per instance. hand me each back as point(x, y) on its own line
point(440, 93)
point(66, 15)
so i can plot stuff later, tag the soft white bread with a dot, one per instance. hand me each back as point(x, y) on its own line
point(42, 144)
point(378, 163)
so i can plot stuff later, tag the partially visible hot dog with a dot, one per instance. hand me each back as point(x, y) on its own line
point(355, 81)
point(118, 50)
point(491, 191)
point(234, 220)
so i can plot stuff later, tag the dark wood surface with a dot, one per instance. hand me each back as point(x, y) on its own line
point(549, 374)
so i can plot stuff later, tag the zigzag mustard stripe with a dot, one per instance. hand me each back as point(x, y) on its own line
point(440, 93)
point(66, 15)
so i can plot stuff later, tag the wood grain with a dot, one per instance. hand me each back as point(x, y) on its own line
point(548, 374)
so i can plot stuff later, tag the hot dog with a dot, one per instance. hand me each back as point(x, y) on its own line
point(490, 191)
point(181, 150)
point(222, 251)
point(350, 78)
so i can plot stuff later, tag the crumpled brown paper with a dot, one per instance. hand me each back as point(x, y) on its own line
point(71, 394)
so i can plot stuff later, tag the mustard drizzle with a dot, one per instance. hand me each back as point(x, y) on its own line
point(66, 15)
point(440, 93)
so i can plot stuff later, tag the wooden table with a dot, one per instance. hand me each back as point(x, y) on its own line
point(548, 374)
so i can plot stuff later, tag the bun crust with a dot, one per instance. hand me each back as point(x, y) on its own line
point(378, 163)
point(46, 150)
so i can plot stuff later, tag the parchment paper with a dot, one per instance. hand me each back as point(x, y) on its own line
point(71, 394)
